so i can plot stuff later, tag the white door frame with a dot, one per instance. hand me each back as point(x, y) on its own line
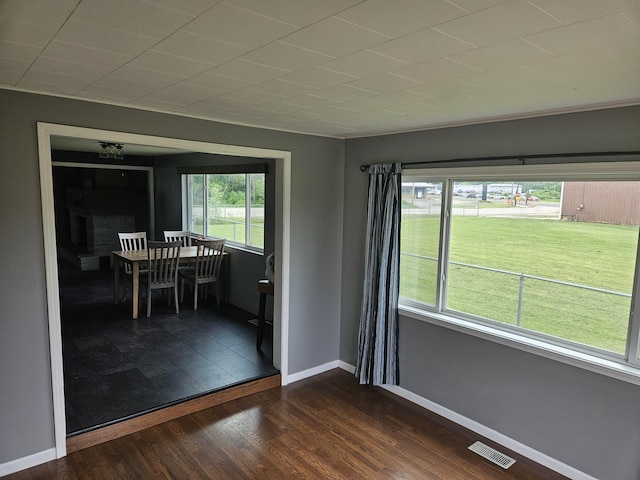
point(282, 250)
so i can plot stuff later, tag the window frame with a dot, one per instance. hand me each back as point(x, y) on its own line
point(625, 367)
point(187, 207)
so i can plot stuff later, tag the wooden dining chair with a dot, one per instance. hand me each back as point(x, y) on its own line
point(205, 271)
point(130, 241)
point(163, 260)
point(174, 235)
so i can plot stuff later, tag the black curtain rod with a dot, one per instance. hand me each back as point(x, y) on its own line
point(521, 158)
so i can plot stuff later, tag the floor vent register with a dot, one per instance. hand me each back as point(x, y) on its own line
point(492, 455)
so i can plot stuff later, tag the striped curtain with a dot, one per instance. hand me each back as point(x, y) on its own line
point(377, 361)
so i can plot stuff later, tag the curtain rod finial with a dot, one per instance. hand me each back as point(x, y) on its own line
point(364, 168)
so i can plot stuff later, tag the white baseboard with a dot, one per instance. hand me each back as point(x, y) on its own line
point(294, 377)
point(27, 462)
point(486, 432)
point(346, 366)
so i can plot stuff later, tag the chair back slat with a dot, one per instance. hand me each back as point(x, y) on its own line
point(163, 259)
point(130, 241)
point(182, 235)
point(133, 241)
point(209, 259)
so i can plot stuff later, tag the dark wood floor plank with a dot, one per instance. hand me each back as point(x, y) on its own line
point(176, 459)
point(324, 427)
point(132, 454)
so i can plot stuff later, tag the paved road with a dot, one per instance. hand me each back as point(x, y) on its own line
point(469, 207)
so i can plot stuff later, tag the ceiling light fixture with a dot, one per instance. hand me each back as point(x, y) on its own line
point(111, 150)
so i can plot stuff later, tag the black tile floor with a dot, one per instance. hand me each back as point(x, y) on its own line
point(116, 368)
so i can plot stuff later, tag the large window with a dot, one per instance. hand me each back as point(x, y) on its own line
point(229, 206)
point(541, 255)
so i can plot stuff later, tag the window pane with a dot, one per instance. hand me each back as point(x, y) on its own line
point(234, 207)
point(553, 257)
point(256, 233)
point(420, 225)
point(226, 206)
point(196, 202)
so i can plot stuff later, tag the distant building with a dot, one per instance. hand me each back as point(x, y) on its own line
point(420, 189)
point(601, 202)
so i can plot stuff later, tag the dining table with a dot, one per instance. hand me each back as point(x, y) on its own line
point(138, 258)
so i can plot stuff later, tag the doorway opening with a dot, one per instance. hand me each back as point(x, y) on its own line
point(282, 195)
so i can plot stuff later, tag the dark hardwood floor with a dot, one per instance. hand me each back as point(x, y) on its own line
point(116, 368)
point(325, 426)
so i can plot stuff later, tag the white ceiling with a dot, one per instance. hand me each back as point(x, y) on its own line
point(342, 68)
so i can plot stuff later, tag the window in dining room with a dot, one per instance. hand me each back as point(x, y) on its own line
point(229, 206)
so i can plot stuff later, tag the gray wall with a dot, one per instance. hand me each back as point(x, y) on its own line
point(588, 421)
point(26, 416)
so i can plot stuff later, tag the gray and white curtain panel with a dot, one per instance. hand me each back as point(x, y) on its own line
point(377, 361)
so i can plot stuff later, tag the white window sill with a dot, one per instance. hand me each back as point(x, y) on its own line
point(610, 368)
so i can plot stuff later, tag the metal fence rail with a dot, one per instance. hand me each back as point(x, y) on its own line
point(236, 226)
point(522, 277)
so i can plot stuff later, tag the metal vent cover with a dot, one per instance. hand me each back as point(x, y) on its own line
point(492, 455)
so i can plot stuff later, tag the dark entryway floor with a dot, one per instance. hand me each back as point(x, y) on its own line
point(116, 367)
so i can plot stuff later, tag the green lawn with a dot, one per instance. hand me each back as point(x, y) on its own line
point(595, 255)
point(234, 230)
